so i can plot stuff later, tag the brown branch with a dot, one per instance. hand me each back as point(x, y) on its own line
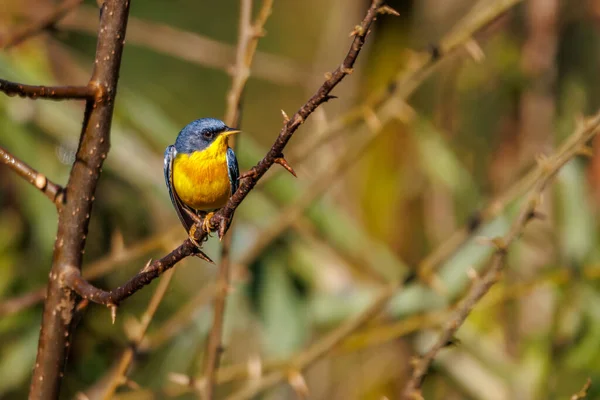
point(74, 215)
point(48, 92)
point(46, 22)
point(95, 270)
point(550, 167)
point(222, 218)
point(247, 43)
point(50, 189)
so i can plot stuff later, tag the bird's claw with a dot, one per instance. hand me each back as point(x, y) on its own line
point(207, 226)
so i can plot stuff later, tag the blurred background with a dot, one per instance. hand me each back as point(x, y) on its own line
point(469, 132)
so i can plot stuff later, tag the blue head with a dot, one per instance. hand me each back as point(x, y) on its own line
point(200, 134)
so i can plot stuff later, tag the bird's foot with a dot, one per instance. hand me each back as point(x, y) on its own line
point(207, 226)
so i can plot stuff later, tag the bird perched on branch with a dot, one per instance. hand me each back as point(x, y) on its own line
point(201, 172)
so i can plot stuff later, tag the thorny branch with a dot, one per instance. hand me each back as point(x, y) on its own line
point(550, 166)
point(50, 189)
point(247, 43)
point(222, 218)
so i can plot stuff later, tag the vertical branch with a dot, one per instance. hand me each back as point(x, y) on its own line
point(247, 44)
point(74, 216)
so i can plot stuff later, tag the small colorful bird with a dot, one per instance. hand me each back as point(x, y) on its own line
point(201, 171)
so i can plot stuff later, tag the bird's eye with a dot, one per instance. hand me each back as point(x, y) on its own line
point(208, 135)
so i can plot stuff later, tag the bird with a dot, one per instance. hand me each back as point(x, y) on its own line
point(201, 172)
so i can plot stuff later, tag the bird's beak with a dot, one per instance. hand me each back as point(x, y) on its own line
point(230, 132)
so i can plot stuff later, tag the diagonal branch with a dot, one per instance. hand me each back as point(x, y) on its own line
point(550, 167)
point(222, 218)
point(50, 189)
point(48, 92)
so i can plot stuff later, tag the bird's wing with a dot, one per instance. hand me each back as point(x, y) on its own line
point(181, 208)
point(233, 170)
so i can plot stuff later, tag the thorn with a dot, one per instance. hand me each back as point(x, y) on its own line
point(117, 244)
point(131, 384)
point(147, 266)
point(258, 32)
point(113, 312)
point(286, 119)
point(82, 305)
point(536, 215)
point(222, 229)
point(357, 31)
point(372, 120)
point(475, 50)
point(200, 254)
point(472, 274)
point(543, 162)
point(298, 383)
point(255, 367)
point(387, 10)
point(499, 243)
point(329, 97)
point(283, 162)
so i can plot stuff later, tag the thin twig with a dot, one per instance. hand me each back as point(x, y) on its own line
point(120, 372)
point(74, 215)
point(222, 218)
point(550, 167)
point(248, 36)
point(48, 92)
point(50, 189)
point(46, 22)
point(582, 394)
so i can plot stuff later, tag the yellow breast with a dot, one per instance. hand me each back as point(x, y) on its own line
point(201, 179)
